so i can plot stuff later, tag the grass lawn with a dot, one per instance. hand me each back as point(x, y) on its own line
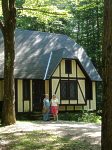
point(42, 140)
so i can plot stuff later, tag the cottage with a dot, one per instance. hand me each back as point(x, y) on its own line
point(50, 63)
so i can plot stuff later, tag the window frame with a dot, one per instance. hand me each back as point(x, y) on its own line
point(68, 90)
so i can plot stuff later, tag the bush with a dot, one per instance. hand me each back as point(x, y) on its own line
point(83, 116)
point(90, 117)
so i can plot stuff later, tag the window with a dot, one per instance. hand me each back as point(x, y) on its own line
point(68, 66)
point(88, 86)
point(69, 89)
point(64, 89)
point(26, 89)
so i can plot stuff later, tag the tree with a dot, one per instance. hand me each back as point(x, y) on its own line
point(8, 27)
point(41, 15)
point(107, 78)
point(88, 18)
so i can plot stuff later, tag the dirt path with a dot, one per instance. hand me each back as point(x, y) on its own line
point(90, 131)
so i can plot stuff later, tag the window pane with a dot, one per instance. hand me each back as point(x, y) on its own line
point(73, 90)
point(68, 66)
point(69, 90)
point(26, 89)
point(64, 89)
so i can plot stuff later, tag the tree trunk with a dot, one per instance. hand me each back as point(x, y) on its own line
point(8, 28)
point(106, 138)
point(8, 114)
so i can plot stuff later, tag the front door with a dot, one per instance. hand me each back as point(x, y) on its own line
point(38, 90)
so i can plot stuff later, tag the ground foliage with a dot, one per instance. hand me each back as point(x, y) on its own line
point(51, 135)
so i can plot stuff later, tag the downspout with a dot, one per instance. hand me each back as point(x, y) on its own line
point(48, 66)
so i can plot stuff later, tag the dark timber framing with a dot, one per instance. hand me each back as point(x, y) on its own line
point(50, 88)
point(82, 92)
point(68, 78)
point(57, 87)
point(69, 87)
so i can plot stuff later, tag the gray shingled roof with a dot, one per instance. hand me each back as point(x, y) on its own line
point(33, 50)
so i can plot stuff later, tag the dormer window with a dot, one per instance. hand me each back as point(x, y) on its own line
point(68, 66)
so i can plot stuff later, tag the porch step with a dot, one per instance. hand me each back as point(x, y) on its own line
point(38, 116)
point(35, 115)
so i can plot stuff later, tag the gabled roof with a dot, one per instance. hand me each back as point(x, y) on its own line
point(34, 49)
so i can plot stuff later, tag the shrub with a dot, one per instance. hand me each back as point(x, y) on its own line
point(83, 116)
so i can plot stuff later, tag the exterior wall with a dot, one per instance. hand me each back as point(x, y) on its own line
point(81, 91)
point(80, 74)
point(20, 96)
point(62, 65)
point(26, 106)
point(56, 73)
point(46, 86)
point(55, 83)
point(77, 74)
point(91, 104)
point(23, 105)
point(74, 72)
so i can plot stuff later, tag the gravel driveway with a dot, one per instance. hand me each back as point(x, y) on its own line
point(90, 131)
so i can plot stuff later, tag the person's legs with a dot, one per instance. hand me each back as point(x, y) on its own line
point(45, 117)
point(56, 117)
point(52, 111)
point(56, 113)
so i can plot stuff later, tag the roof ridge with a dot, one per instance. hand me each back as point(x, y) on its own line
point(59, 34)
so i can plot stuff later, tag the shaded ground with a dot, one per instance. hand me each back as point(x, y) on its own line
point(61, 135)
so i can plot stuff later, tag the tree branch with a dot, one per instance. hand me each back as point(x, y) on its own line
point(46, 12)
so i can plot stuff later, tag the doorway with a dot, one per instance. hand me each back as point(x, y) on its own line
point(38, 90)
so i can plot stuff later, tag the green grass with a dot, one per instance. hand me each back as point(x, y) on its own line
point(40, 140)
